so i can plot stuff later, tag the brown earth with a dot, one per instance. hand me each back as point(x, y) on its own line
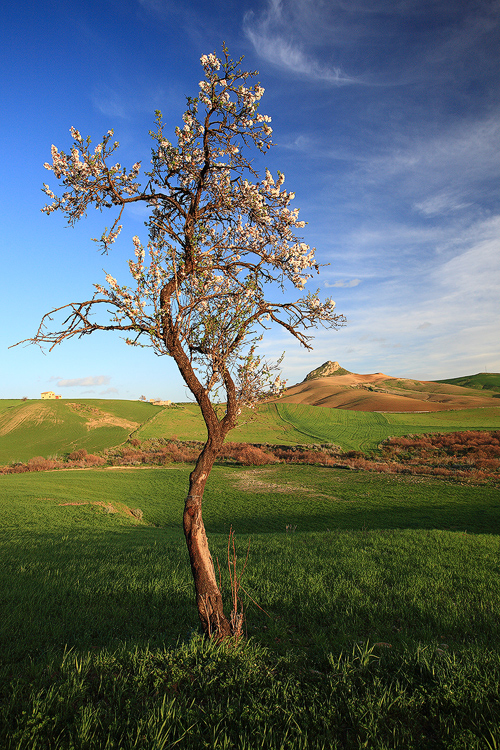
point(379, 392)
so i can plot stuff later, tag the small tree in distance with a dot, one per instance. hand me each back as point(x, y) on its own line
point(221, 247)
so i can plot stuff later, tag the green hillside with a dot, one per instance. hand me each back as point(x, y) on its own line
point(49, 428)
point(44, 428)
point(292, 424)
point(489, 381)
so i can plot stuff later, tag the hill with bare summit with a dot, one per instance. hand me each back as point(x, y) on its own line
point(332, 386)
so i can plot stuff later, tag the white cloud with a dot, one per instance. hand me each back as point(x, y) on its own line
point(79, 382)
point(274, 37)
point(440, 321)
point(343, 283)
point(439, 204)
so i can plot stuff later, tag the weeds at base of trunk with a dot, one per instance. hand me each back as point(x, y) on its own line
point(237, 616)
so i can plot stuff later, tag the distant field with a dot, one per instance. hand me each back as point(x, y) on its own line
point(48, 428)
point(292, 424)
point(482, 381)
point(43, 428)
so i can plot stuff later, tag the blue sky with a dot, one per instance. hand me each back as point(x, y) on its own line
point(386, 119)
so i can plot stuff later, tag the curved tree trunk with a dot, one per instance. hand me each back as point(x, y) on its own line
point(208, 596)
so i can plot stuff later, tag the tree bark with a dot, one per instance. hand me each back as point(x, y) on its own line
point(208, 597)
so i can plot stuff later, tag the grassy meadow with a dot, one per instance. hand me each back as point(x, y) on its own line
point(489, 381)
point(52, 428)
point(292, 424)
point(372, 612)
point(43, 428)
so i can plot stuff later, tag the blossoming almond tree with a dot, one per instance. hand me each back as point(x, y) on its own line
point(219, 238)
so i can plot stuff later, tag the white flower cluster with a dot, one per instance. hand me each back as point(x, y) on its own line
point(216, 238)
point(320, 310)
point(111, 281)
point(210, 61)
point(86, 179)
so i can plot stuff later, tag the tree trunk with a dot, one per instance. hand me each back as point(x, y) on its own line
point(208, 596)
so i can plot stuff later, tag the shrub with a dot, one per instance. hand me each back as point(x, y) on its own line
point(14, 469)
point(77, 455)
point(246, 454)
point(39, 463)
point(92, 460)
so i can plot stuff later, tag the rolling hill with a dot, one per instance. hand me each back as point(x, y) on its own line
point(362, 411)
point(43, 428)
point(377, 392)
point(481, 381)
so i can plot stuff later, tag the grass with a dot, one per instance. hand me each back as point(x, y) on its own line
point(482, 381)
point(292, 424)
point(254, 500)
point(49, 428)
point(382, 625)
point(44, 428)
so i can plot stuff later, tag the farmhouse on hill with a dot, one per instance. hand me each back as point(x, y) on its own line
point(49, 394)
point(159, 402)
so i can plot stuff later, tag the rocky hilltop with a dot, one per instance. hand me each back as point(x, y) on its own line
point(325, 370)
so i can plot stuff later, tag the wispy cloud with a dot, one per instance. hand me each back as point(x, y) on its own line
point(80, 382)
point(110, 102)
point(441, 319)
point(275, 36)
point(343, 283)
point(464, 155)
point(440, 204)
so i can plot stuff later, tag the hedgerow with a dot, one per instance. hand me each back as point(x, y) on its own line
point(467, 456)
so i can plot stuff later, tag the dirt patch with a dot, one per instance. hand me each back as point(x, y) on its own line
point(109, 420)
point(98, 418)
point(253, 481)
point(134, 513)
point(35, 413)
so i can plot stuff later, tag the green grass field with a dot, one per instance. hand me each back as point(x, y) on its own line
point(291, 424)
point(49, 428)
point(382, 627)
point(482, 381)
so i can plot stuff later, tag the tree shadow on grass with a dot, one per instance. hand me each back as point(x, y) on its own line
point(88, 590)
point(92, 590)
point(479, 518)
